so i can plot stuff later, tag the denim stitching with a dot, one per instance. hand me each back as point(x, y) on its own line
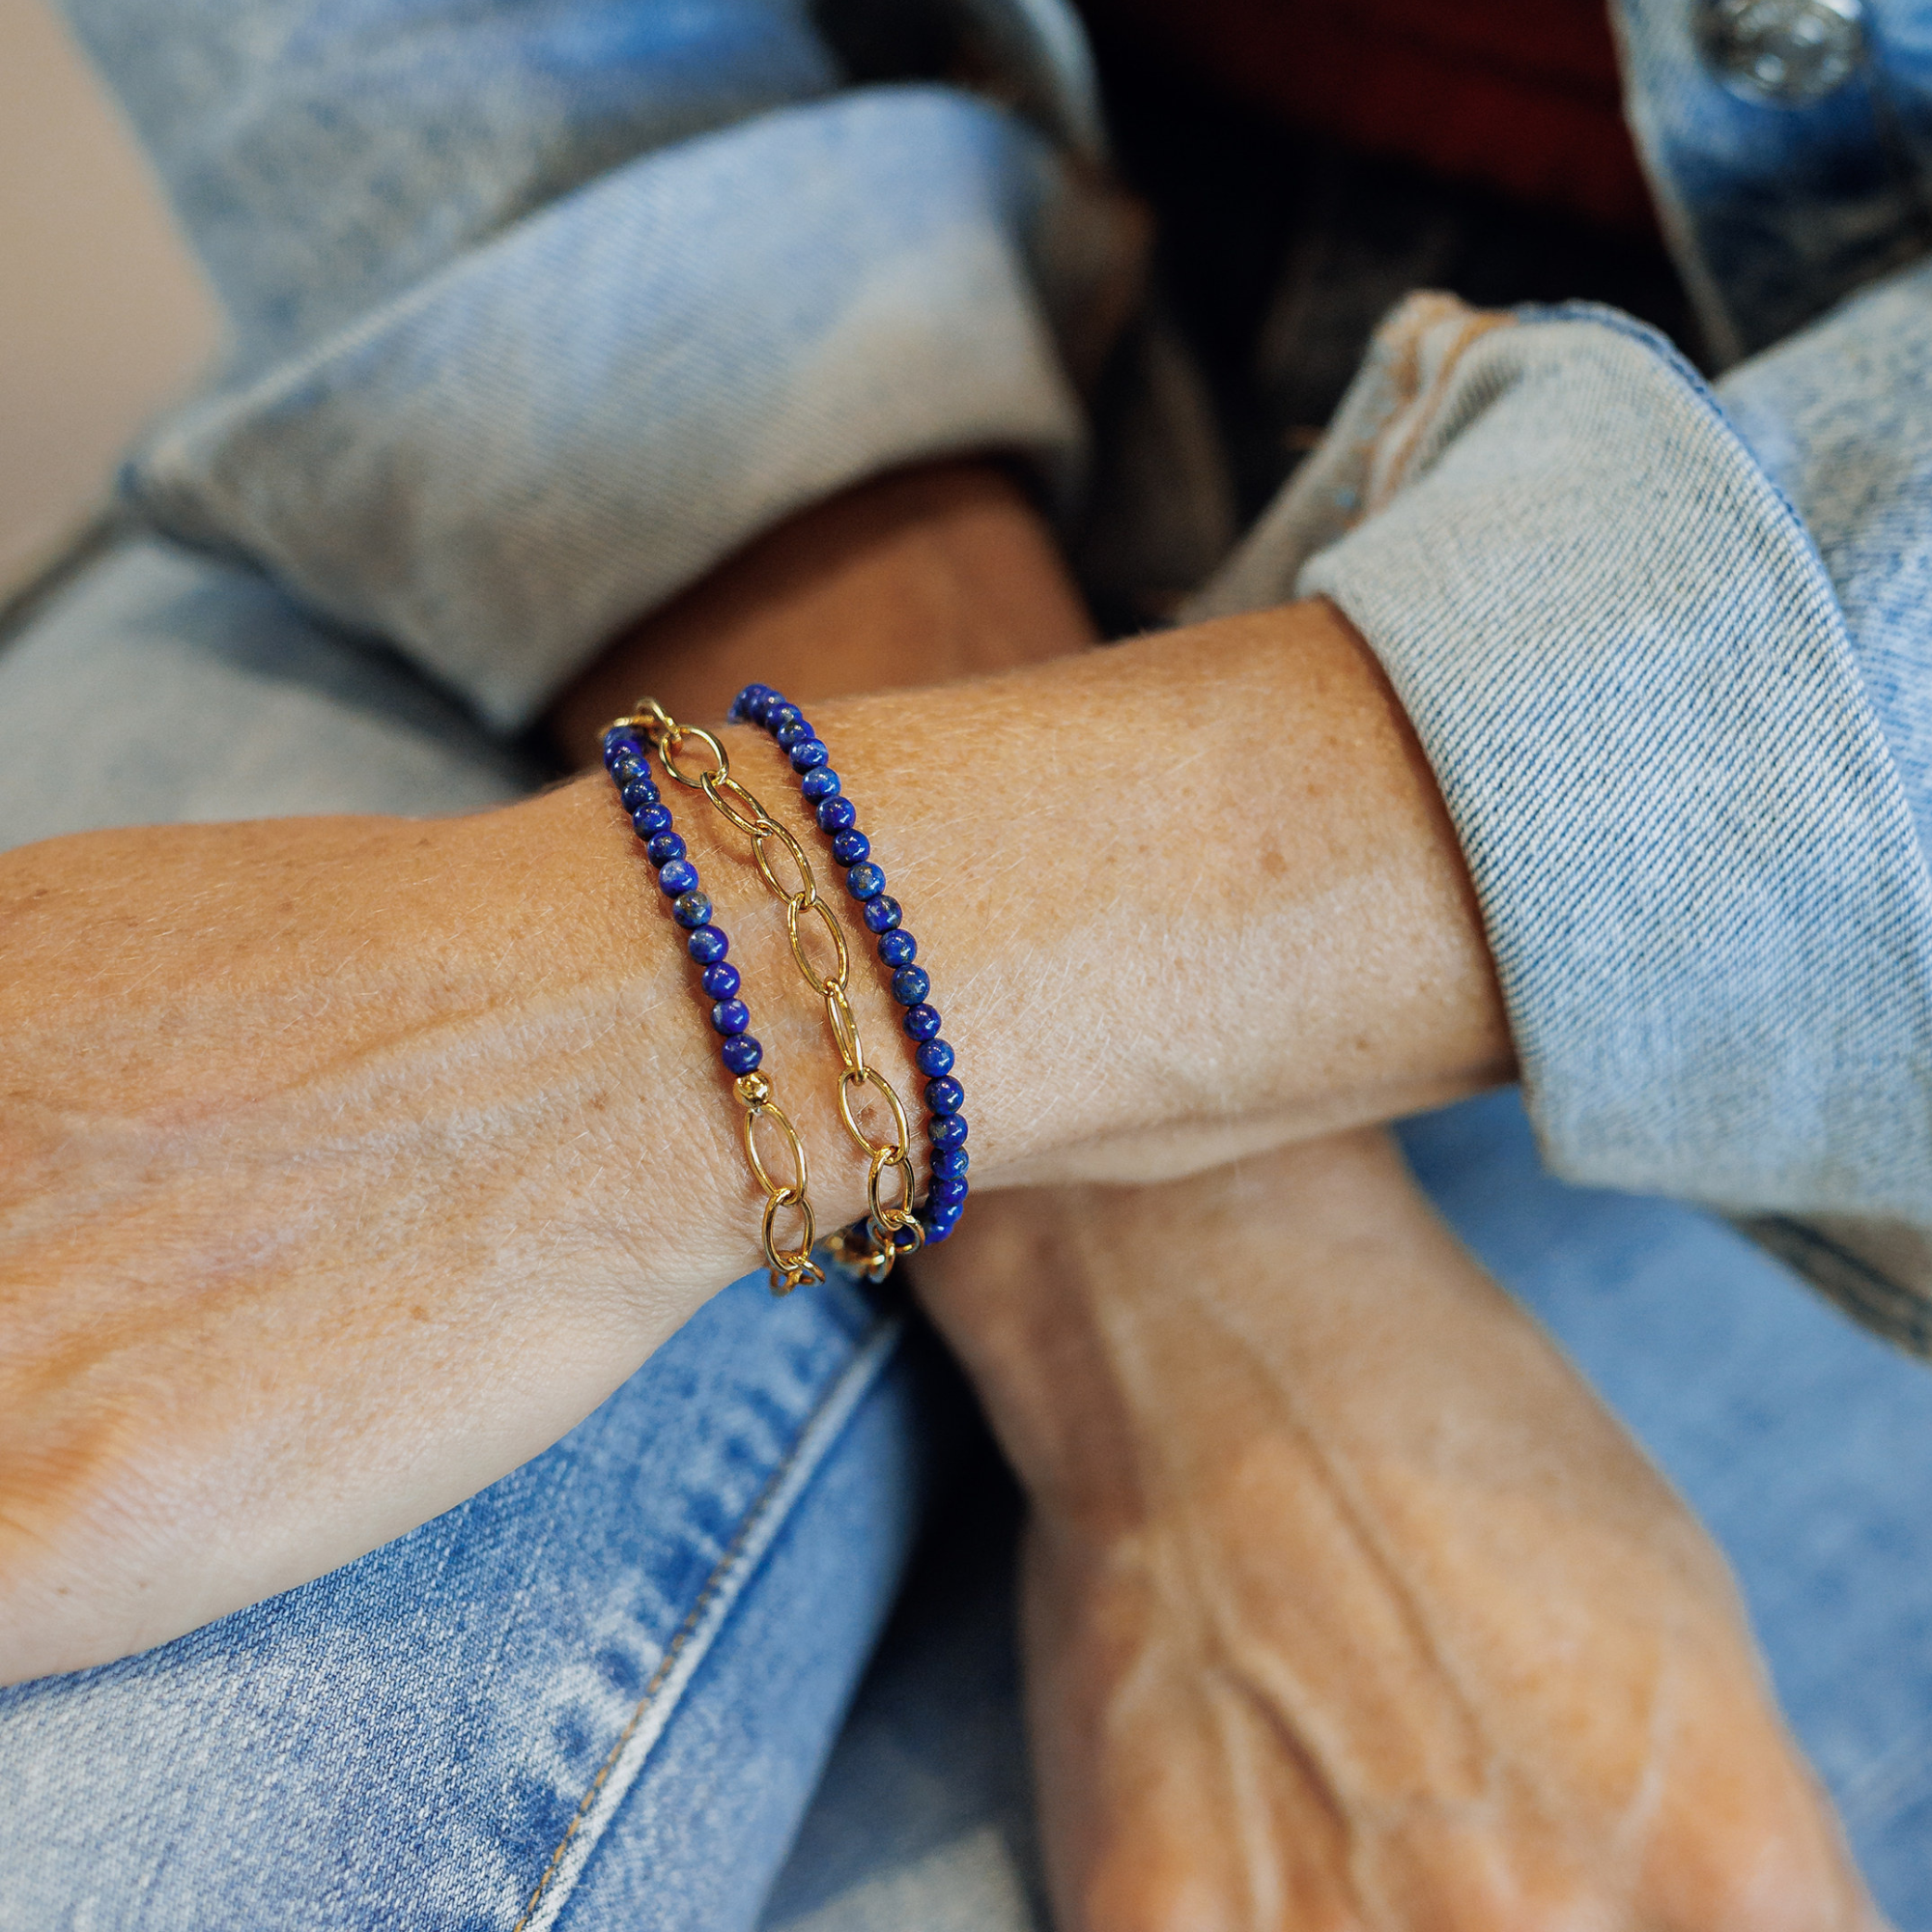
point(723, 1568)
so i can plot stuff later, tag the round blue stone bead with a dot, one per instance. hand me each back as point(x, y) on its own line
point(883, 913)
point(663, 848)
point(653, 819)
point(740, 1052)
point(721, 981)
point(898, 948)
point(942, 1220)
point(946, 1192)
point(949, 1163)
point(864, 881)
point(934, 1055)
point(678, 876)
point(789, 730)
point(945, 1095)
point(949, 1131)
point(921, 1022)
point(638, 793)
point(849, 847)
point(691, 908)
point(707, 944)
point(762, 707)
point(824, 783)
point(910, 986)
point(730, 1016)
point(807, 754)
point(934, 1235)
point(836, 815)
point(740, 706)
point(619, 744)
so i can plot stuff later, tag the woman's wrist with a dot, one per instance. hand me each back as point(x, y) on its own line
point(1192, 894)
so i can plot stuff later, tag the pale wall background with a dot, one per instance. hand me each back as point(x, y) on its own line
point(102, 316)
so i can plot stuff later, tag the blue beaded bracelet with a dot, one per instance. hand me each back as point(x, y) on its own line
point(625, 761)
point(839, 819)
point(624, 758)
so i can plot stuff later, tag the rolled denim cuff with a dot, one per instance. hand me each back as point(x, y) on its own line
point(1697, 863)
point(567, 425)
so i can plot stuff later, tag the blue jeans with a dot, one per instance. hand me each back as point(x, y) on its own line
point(628, 1685)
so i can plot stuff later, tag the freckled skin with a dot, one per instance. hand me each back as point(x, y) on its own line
point(345, 1164)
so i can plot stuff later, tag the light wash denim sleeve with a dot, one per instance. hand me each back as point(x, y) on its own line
point(540, 310)
point(1686, 753)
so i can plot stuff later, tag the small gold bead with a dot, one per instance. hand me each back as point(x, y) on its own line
point(753, 1089)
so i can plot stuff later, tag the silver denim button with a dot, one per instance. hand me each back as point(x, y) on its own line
point(1785, 53)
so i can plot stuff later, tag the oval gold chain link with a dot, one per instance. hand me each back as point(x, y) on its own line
point(791, 1191)
point(898, 1216)
point(806, 888)
point(820, 983)
point(719, 785)
point(672, 737)
point(844, 1025)
point(848, 1082)
point(793, 1267)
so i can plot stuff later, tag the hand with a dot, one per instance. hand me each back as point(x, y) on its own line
point(1345, 1603)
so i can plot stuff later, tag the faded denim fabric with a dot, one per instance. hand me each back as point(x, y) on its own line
point(1775, 212)
point(537, 312)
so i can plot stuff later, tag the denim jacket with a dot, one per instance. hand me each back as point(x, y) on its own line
point(538, 310)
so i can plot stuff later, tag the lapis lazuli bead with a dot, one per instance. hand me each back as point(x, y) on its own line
point(663, 848)
point(941, 1221)
point(851, 845)
point(638, 793)
point(883, 913)
point(824, 783)
point(730, 1016)
point(618, 745)
point(625, 765)
point(945, 1095)
point(763, 706)
point(653, 819)
point(864, 881)
point(949, 1163)
point(740, 1053)
point(807, 754)
point(898, 948)
point(677, 877)
point(934, 1055)
point(689, 908)
point(721, 981)
point(949, 1131)
point(789, 727)
point(946, 1192)
point(835, 814)
point(910, 986)
point(921, 1022)
point(740, 706)
point(707, 944)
